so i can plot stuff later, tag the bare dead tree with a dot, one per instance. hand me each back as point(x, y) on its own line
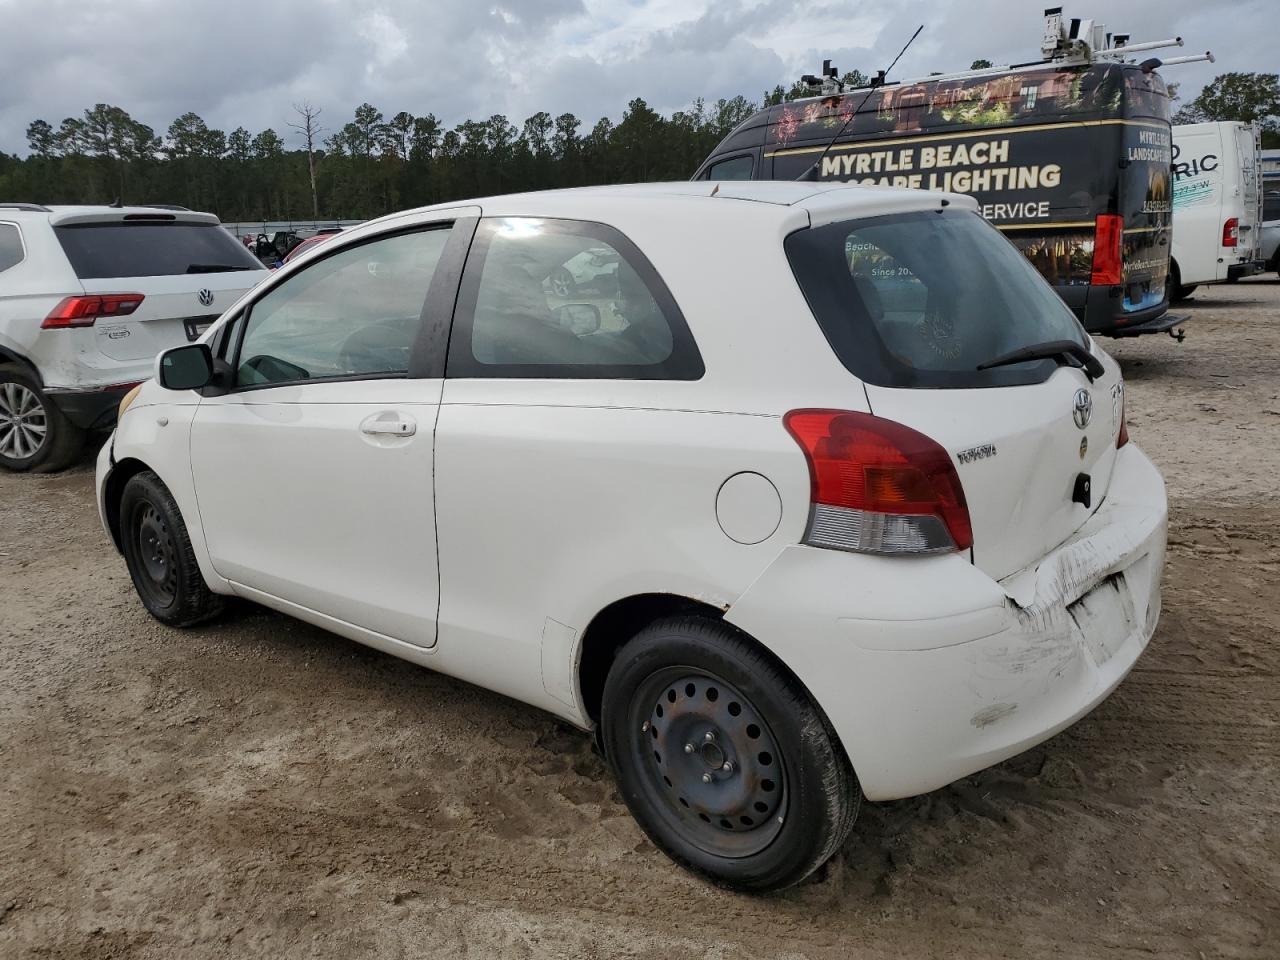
point(311, 131)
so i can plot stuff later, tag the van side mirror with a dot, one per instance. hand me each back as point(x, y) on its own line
point(188, 367)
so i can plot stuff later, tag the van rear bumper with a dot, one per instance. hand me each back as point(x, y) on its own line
point(1250, 268)
point(929, 670)
point(1099, 309)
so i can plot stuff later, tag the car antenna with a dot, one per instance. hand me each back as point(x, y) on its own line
point(876, 83)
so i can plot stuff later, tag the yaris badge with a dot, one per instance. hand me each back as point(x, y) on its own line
point(1082, 409)
point(205, 297)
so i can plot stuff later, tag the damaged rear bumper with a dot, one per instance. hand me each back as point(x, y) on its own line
point(929, 670)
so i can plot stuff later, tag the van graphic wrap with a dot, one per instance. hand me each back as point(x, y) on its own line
point(1044, 152)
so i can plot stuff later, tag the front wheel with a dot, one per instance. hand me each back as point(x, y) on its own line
point(161, 559)
point(722, 758)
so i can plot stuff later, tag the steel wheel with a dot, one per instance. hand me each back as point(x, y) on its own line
point(24, 424)
point(715, 772)
point(158, 555)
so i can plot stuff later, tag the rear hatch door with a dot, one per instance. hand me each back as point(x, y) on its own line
point(918, 305)
point(1021, 452)
point(186, 266)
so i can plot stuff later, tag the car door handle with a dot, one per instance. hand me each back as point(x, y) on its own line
point(393, 428)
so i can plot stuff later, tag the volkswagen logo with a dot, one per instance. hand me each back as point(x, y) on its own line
point(1082, 408)
point(206, 300)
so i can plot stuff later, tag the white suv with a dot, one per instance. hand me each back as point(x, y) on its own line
point(88, 297)
point(825, 494)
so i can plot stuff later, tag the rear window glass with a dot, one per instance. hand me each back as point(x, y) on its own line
point(921, 299)
point(1271, 207)
point(10, 246)
point(98, 250)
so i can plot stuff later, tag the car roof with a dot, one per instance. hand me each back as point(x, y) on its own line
point(86, 213)
point(818, 202)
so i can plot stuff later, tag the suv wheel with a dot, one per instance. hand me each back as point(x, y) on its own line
point(723, 759)
point(158, 551)
point(34, 435)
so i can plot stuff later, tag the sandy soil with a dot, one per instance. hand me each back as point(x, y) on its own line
point(257, 788)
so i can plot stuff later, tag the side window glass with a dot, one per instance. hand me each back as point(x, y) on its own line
point(11, 253)
point(566, 298)
point(353, 314)
point(737, 168)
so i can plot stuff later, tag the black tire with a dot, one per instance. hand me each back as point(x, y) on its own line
point(159, 554)
point(1183, 292)
point(760, 803)
point(34, 435)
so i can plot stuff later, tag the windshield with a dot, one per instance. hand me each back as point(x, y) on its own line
point(921, 299)
point(118, 249)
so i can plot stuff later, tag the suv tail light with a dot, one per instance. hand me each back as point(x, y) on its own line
point(879, 486)
point(1108, 233)
point(1231, 232)
point(83, 311)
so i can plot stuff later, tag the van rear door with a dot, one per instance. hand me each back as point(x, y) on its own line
point(1249, 151)
point(187, 268)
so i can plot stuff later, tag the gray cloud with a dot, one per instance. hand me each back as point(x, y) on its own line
point(241, 63)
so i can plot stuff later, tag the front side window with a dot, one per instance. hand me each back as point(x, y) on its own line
point(735, 168)
point(922, 299)
point(560, 298)
point(11, 252)
point(353, 314)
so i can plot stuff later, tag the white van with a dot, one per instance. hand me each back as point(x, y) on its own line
point(1217, 204)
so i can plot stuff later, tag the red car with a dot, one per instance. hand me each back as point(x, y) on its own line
point(308, 244)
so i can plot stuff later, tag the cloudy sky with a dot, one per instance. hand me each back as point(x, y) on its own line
point(242, 63)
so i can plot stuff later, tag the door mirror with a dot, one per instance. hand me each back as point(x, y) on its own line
point(578, 318)
point(189, 367)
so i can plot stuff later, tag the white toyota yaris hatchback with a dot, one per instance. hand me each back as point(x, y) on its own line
point(800, 493)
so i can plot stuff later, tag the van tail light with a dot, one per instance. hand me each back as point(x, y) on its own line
point(878, 486)
point(1123, 436)
point(83, 311)
point(1231, 232)
point(1108, 232)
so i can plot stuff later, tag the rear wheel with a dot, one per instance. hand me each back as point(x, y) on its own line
point(34, 435)
point(158, 551)
point(723, 759)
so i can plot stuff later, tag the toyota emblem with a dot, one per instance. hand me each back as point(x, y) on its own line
point(206, 300)
point(1082, 409)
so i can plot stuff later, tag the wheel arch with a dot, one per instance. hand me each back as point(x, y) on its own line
point(123, 471)
point(10, 356)
point(621, 620)
point(617, 623)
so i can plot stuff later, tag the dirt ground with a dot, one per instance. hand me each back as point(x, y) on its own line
point(258, 788)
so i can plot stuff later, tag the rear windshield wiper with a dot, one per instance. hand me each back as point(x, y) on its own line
point(1067, 350)
point(216, 267)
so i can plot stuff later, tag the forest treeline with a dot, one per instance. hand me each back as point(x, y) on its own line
point(373, 164)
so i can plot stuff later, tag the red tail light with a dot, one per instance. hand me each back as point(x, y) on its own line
point(83, 311)
point(1108, 234)
point(1231, 232)
point(879, 486)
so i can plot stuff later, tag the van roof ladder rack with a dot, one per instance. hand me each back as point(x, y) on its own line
point(1065, 43)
